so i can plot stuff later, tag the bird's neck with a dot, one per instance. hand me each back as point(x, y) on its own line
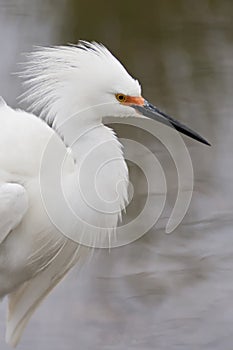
point(98, 190)
point(85, 134)
point(76, 128)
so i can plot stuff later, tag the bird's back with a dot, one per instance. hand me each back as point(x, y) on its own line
point(23, 138)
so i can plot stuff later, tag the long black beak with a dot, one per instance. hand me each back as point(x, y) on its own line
point(150, 111)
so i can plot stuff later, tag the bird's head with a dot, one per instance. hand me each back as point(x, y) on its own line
point(67, 81)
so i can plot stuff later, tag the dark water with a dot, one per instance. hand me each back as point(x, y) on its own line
point(163, 291)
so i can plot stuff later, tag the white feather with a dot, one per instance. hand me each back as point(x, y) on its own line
point(23, 301)
point(13, 206)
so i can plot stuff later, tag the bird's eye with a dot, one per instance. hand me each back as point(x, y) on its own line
point(121, 97)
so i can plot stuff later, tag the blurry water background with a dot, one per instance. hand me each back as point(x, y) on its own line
point(162, 291)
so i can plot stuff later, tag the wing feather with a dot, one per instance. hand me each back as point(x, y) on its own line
point(13, 206)
point(23, 302)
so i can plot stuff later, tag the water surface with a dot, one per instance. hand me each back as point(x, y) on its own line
point(162, 291)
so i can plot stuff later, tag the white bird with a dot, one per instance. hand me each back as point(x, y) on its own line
point(71, 88)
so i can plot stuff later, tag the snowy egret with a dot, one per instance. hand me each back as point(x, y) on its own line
point(71, 88)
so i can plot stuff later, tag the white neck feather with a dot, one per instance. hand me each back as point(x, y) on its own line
point(102, 178)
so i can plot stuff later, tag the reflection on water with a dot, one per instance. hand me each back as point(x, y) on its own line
point(163, 291)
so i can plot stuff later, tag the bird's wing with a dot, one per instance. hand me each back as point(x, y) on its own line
point(23, 302)
point(13, 206)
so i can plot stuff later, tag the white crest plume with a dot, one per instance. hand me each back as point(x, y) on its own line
point(57, 78)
